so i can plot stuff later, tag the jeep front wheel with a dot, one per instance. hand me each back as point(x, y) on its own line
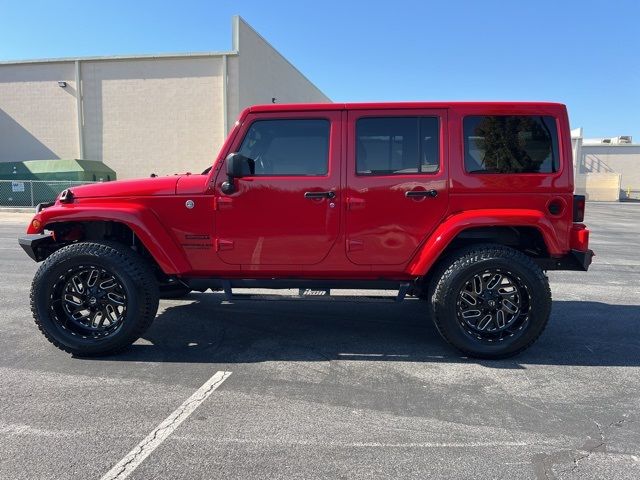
point(94, 298)
point(490, 301)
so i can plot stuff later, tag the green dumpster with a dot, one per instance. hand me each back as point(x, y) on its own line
point(35, 181)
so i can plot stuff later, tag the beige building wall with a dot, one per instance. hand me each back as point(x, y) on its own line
point(37, 117)
point(264, 74)
point(144, 116)
point(622, 159)
point(607, 172)
point(233, 91)
point(598, 187)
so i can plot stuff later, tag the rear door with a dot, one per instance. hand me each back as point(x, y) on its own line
point(286, 212)
point(396, 179)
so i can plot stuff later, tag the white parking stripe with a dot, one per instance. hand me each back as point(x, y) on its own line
point(135, 457)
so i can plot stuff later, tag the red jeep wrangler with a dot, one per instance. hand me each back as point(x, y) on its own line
point(464, 205)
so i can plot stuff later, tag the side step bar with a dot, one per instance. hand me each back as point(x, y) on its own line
point(305, 287)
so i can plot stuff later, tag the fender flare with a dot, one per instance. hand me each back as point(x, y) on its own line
point(142, 221)
point(448, 230)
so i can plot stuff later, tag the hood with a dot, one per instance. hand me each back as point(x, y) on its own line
point(142, 187)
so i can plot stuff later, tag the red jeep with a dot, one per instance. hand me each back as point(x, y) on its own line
point(464, 205)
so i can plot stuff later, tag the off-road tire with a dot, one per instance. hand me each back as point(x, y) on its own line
point(135, 277)
point(452, 275)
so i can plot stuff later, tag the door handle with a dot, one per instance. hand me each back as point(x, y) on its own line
point(421, 193)
point(319, 194)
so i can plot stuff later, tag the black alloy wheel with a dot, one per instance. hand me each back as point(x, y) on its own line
point(493, 305)
point(94, 298)
point(489, 301)
point(89, 301)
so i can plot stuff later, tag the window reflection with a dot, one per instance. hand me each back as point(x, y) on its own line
point(510, 144)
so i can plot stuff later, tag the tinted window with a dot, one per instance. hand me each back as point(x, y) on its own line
point(288, 147)
point(510, 144)
point(397, 145)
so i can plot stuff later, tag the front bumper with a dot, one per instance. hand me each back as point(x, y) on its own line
point(38, 246)
point(574, 260)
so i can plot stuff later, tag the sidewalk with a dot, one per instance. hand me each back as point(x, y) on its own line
point(17, 215)
point(17, 209)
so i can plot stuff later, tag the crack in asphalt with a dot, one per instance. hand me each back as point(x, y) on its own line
point(543, 463)
point(594, 448)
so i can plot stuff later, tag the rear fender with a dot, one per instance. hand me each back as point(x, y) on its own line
point(142, 221)
point(448, 230)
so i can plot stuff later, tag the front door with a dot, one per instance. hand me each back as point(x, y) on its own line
point(396, 182)
point(286, 213)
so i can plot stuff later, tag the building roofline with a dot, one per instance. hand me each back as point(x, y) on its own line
point(235, 28)
point(151, 56)
point(609, 145)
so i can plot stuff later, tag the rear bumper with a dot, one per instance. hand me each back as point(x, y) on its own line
point(574, 260)
point(579, 237)
point(37, 246)
point(579, 256)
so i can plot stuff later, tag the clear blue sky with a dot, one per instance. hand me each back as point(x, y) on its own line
point(582, 53)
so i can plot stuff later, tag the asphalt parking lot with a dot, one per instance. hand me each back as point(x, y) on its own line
point(333, 388)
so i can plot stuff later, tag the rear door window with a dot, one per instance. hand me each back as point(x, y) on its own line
point(510, 144)
point(397, 145)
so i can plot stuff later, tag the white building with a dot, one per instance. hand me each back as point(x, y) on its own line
point(606, 169)
point(142, 114)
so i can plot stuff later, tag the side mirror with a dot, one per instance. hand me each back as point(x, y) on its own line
point(238, 166)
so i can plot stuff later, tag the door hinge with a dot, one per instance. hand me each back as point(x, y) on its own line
point(355, 203)
point(222, 244)
point(222, 202)
point(355, 245)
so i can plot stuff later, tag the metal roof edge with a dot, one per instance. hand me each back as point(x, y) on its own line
point(151, 56)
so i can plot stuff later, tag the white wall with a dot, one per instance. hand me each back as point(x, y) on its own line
point(598, 187)
point(37, 117)
point(163, 114)
point(153, 115)
point(263, 73)
point(621, 159)
point(233, 90)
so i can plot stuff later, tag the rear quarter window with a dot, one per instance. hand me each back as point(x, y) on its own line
point(510, 144)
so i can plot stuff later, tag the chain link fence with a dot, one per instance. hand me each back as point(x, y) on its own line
point(29, 193)
point(630, 195)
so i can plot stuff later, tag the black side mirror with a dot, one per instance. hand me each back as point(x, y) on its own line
point(238, 166)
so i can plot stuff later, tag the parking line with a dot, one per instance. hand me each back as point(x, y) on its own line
point(135, 457)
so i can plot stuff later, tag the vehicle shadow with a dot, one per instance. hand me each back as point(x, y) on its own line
point(205, 328)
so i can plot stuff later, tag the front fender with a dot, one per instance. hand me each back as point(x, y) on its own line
point(142, 221)
point(438, 241)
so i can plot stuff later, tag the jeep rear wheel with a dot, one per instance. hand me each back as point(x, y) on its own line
point(93, 298)
point(490, 301)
